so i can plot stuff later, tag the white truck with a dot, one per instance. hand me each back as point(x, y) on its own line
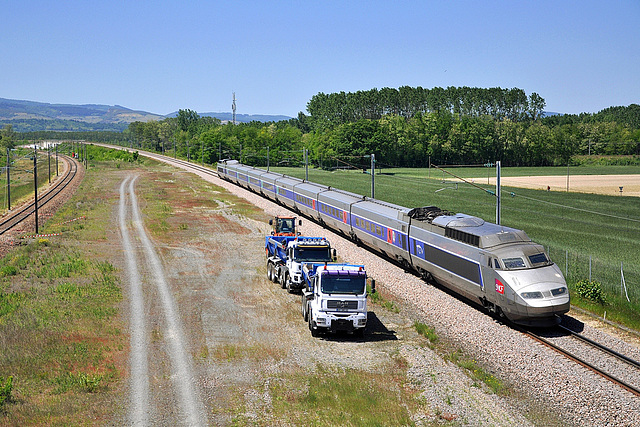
point(286, 254)
point(334, 297)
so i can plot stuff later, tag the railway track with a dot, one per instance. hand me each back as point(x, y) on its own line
point(25, 211)
point(596, 357)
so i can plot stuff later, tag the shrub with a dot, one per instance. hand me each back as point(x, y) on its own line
point(8, 270)
point(5, 390)
point(590, 290)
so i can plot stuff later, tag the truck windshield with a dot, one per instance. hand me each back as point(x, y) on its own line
point(312, 254)
point(286, 225)
point(342, 284)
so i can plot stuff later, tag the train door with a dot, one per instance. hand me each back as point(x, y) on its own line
point(494, 288)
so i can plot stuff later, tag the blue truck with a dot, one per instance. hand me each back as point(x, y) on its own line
point(286, 254)
point(334, 297)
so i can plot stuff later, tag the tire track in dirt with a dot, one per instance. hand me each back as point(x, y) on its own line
point(139, 408)
point(191, 407)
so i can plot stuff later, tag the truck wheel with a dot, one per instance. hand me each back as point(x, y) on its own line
point(289, 288)
point(314, 331)
point(283, 280)
point(303, 308)
point(270, 271)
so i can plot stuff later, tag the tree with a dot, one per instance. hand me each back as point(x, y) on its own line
point(188, 121)
point(7, 137)
point(536, 105)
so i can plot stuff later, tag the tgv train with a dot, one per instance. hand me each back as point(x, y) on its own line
point(496, 265)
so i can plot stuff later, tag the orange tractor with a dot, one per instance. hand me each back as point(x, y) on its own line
point(284, 226)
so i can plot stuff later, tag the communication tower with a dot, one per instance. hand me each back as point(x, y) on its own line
point(233, 107)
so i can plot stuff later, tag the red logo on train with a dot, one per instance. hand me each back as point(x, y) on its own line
point(499, 287)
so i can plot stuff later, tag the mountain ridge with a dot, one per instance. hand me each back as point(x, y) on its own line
point(27, 116)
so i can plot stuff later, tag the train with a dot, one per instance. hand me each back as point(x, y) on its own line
point(497, 266)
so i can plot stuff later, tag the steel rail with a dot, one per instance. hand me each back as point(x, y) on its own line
point(602, 347)
point(581, 361)
point(27, 210)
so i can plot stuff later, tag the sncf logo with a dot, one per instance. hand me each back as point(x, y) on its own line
point(499, 287)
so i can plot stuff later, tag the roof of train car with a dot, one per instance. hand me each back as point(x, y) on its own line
point(340, 196)
point(389, 210)
point(311, 187)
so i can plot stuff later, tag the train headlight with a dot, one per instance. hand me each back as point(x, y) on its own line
point(559, 291)
point(531, 295)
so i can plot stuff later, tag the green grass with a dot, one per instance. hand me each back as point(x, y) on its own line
point(572, 226)
point(60, 332)
point(426, 331)
point(350, 397)
point(378, 299)
point(475, 372)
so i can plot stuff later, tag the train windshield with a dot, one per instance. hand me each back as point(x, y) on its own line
point(513, 263)
point(531, 261)
point(312, 254)
point(342, 284)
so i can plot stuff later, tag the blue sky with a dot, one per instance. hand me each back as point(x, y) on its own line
point(160, 56)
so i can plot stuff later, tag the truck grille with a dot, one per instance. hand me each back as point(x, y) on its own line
point(342, 305)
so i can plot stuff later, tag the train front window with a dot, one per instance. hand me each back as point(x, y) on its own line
point(538, 260)
point(513, 263)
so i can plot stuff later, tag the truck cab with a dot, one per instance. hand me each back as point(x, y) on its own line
point(286, 254)
point(334, 298)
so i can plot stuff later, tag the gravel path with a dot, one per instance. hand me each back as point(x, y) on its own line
point(191, 409)
point(139, 408)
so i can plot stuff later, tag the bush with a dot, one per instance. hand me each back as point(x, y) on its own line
point(8, 270)
point(5, 390)
point(590, 290)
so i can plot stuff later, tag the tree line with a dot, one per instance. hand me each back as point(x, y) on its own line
point(402, 127)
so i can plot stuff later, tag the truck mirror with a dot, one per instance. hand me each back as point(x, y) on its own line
point(270, 222)
point(334, 256)
point(300, 222)
point(373, 286)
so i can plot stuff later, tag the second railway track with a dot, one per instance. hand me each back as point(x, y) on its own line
point(25, 211)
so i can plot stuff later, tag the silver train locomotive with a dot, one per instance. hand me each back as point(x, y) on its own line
point(498, 266)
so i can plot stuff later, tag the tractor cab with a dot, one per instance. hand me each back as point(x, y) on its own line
point(284, 226)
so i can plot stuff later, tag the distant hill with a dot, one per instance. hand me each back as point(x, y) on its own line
point(28, 116)
point(31, 116)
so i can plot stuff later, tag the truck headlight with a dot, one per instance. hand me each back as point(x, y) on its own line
point(531, 295)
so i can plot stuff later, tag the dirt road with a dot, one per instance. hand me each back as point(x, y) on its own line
point(190, 408)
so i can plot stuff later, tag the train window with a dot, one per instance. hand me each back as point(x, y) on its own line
point(513, 263)
point(540, 258)
point(496, 263)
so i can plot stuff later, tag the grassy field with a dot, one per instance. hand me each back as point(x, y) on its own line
point(574, 227)
point(61, 337)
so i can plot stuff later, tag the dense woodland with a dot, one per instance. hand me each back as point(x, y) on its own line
point(402, 127)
